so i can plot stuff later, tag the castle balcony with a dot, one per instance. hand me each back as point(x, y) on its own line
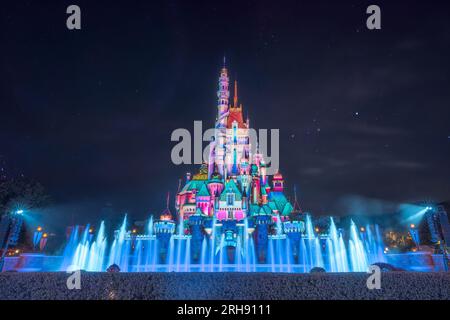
point(144, 237)
point(277, 237)
point(181, 236)
point(164, 226)
point(294, 226)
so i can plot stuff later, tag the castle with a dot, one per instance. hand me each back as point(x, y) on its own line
point(231, 194)
point(230, 216)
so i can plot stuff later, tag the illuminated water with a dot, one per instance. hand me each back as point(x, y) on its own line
point(334, 251)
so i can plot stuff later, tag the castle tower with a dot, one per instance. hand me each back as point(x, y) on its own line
point(238, 141)
point(218, 147)
point(278, 182)
point(223, 95)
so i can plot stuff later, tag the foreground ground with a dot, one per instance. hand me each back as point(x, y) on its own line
point(244, 286)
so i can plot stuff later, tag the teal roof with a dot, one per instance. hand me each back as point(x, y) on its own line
point(260, 210)
point(272, 205)
point(277, 196)
point(231, 187)
point(287, 209)
point(265, 209)
point(281, 203)
point(254, 209)
point(193, 185)
point(204, 192)
point(215, 180)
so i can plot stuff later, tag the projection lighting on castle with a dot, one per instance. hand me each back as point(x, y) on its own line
point(229, 216)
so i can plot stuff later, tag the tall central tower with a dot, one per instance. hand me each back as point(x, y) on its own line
point(223, 95)
point(218, 147)
point(230, 150)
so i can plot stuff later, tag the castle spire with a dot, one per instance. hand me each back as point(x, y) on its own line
point(235, 99)
point(297, 208)
point(223, 94)
point(166, 214)
point(167, 200)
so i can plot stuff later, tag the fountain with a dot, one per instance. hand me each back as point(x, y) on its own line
point(233, 215)
point(144, 253)
point(358, 256)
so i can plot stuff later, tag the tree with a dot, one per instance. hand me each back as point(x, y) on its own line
point(18, 193)
point(21, 193)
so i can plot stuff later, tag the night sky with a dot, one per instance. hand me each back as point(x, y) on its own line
point(363, 115)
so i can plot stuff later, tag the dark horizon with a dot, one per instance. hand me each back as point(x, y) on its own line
point(363, 115)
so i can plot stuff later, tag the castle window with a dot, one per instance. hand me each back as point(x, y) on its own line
point(230, 199)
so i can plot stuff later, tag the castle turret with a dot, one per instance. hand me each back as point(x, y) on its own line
point(235, 116)
point(278, 182)
point(218, 146)
point(262, 169)
point(223, 95)
point(256, 190)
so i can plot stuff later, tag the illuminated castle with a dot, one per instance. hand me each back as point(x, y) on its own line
point(233, 184)
point(230, 216)
point(232, 188)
